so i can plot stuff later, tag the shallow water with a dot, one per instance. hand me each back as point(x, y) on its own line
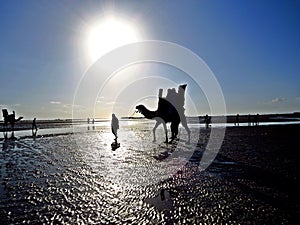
point(78, 179)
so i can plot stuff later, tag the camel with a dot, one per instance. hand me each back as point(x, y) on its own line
point(10, 118)
point(168, 111)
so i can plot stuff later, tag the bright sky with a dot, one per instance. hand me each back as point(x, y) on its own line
point(252, 47)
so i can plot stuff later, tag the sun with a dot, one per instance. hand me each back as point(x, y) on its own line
point(109, 34)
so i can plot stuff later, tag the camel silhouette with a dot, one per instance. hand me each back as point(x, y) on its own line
point(10, 118)
point(168, 111)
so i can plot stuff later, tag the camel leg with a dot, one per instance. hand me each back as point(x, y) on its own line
point(174, 130)
point(154, 129)
point(166, 131)
point(184, 124)
point(188, 132)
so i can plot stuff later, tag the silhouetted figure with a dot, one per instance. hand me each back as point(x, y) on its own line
point(249, 120)
point(114, 125)
point(256, 119)
point(88, 120)
point(180, 108)
point(237, 120)
point(34, 127)
point(169, 94)
point(207, 120)
point(177, 100)
point(10, 118)
point(171, 98)
point(167, 112)
point(93, 121)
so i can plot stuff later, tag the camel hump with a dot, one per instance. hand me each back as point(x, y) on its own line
point(4, 112)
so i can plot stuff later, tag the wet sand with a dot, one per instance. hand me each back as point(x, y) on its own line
point(78, 179)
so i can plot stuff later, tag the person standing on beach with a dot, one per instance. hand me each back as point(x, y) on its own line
point(256, 120)
point(207, 120)
point(114, 126)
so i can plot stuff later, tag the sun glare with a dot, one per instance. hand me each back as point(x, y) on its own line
point(108, 35)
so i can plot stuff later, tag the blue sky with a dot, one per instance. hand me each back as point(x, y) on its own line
point(252, 47)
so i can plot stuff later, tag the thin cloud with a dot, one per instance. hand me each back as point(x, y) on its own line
point(55, 102)
point(73, 106)
point(10, 106)
point(276, 100)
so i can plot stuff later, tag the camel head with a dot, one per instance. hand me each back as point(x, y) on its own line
point(146, 113)
point(141, 109)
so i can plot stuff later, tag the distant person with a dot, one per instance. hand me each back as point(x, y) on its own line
point(237, 120)
point(256, 119)
point(114, 125)
point(88, 120)
point(249, 120)
point(207, 120)
point(34, 127)
point(93, 121)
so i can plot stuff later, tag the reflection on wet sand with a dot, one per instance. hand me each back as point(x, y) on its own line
point(77, 178)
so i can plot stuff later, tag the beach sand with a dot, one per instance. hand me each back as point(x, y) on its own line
point(79, 179)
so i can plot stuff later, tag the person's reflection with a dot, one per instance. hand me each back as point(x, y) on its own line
point(12, 137)
point(34, 132)
point(9, 142)
point(5, 135)
point(88, 128)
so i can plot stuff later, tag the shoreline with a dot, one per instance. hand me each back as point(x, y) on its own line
point(192, 121)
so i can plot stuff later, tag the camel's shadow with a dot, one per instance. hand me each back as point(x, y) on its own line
point(167, 149)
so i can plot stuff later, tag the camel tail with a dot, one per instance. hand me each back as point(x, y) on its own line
point(21, 117)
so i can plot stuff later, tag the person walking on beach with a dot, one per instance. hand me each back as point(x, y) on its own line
point(34, 127)
point(237, 120)
point(114, 125)
point(249, 120)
